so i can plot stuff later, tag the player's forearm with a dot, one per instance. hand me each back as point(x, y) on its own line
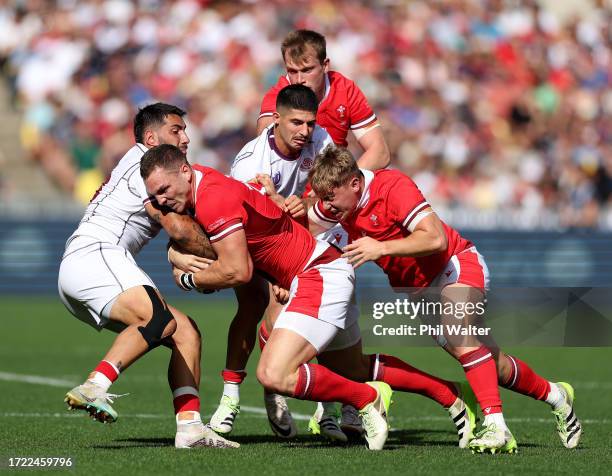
point(184, 231)
point(419, 243)
point(221, 276)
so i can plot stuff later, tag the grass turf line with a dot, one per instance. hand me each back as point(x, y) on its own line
point(42, 339)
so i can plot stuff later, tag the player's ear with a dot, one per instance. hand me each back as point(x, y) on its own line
point(325, 65)
point(276, 117)
point(150, 138)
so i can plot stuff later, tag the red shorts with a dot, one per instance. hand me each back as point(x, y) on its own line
point(467, 267)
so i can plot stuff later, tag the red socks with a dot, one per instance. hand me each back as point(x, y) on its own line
point(319, 384)
point(523, 379)
point(233, 376)
point(186, 399)
point(481, 373)
point(403, 377)
point(108, 370)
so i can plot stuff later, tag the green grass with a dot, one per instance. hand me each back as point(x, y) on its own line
point(41, 338)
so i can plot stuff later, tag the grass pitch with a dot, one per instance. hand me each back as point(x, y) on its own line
point(40, 339)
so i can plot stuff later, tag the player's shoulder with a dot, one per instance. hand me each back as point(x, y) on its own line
point(320, 136)
point(388, 179)
point(340, 83)
point(131, 157)
point(280, 84)
point(253, 151)
point(254, 145)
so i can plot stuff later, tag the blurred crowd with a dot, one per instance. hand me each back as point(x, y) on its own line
point(487, 104)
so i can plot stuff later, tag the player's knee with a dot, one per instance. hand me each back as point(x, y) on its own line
point(187, 333)
point(271, 378)
point(161, 324)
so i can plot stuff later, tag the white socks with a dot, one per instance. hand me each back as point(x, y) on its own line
point(497, 418)
point(555, 397)
point(232, 390)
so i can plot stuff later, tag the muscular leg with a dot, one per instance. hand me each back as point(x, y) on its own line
point(134, 309)
point(145, 321)
point(354, 365)
point(253, 299)
point(184, 367)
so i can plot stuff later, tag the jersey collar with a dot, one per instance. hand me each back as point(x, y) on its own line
point(368, 176)
point(327, 88)
point(198, 178)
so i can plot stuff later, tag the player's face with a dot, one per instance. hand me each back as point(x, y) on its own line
point(173, 132)
point(171, 188)
point(309, 71)
point(342, 201)
point(294, 129)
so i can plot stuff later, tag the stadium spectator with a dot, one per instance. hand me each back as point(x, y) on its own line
point(486, 104)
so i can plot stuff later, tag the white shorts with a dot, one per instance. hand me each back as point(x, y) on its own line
point(322, 305)
point(93, 274)
point(322, 335)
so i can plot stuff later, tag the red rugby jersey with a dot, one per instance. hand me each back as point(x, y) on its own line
point(279, 246)
point(388, 210)
point(343, 107)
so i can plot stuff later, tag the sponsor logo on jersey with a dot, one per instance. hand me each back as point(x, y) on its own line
point(276, 179)
point(374, 219)
point(307, 163)
point(217, 223)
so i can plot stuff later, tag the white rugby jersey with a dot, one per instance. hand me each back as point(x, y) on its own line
point(116, 213)
point(288, 174)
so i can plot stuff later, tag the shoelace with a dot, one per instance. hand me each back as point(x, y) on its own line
point(110, 397)
point(486, 430)
point(561, 415)
point(227, 401)
point(368, 424)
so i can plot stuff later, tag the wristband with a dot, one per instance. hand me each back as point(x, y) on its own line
point(186, 281)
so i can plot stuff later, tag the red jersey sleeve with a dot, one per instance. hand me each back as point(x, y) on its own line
point(220, 212)
point(318, 215)
point(268, 105)
point(406, 203)
point(361, 114)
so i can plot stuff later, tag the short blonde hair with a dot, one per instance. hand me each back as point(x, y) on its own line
point(333, 168)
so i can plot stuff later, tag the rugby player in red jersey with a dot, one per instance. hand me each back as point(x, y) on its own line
point(390, 222)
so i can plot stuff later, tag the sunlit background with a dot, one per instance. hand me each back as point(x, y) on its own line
point(500, 110)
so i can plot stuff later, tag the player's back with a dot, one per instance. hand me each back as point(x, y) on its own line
point(116, 213)
point(279, 246)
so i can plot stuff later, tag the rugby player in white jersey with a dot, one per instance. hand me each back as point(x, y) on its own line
point(101, 284)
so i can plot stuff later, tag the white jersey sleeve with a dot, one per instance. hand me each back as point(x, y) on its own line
point(116, 214)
